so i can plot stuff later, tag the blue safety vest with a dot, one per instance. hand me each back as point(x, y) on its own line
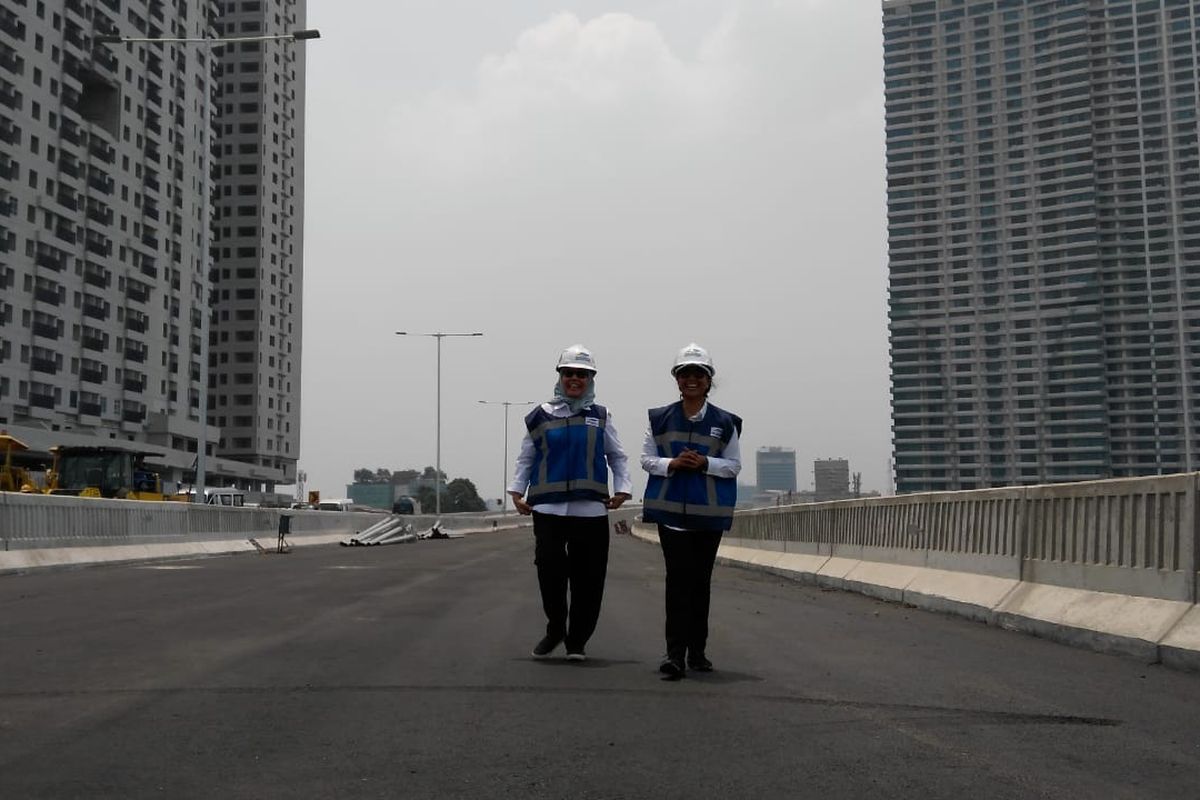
point(690, 499)
point(569, 461)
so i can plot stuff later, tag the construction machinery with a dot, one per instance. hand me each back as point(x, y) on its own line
point(12, 477)
point(103, 472)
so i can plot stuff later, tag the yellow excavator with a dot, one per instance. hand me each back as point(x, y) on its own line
point(103, 472)
point(12, 477)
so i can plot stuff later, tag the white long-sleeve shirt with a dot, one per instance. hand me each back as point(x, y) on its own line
point(618, 464)
point(727, 466)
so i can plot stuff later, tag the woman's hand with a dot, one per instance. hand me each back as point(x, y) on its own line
point(519, 503)
point(689, 459)
point(616, 500)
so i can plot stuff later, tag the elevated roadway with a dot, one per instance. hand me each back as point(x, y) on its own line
point(404, 672)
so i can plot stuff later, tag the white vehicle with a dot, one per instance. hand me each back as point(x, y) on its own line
point(333, 505)
point(229, 497)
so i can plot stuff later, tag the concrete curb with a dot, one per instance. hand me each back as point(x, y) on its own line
point(1146, 628)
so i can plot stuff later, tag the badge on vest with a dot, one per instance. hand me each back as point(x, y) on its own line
point(716, 432)
point(593, 421)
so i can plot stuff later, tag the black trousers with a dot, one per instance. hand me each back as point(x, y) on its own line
point(571, 552)
point(689, 556)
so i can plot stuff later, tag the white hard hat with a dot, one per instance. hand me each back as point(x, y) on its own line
point(576, 357)
point(694, 355)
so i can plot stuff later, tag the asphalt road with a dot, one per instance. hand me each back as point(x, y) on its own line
point(403, 671)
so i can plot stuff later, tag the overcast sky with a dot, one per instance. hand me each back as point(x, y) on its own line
point(632, 177)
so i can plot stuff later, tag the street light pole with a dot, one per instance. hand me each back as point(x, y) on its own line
point(437, 479)
point(504, 478)
point(210, 45)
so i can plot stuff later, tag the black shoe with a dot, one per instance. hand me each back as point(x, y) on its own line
point(698, 663)
point(546, 646)
point(576, 654)
point(672, 668)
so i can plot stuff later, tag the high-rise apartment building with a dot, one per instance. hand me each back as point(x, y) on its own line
point(776, 469)
point(255, 396)
point(102, 280)
point(1044, 233)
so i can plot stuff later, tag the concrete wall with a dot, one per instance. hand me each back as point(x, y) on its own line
point(38, 521)
point(1136, 536)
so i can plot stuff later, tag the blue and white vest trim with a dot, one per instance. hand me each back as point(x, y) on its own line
point(569, 461)
point(690, 499)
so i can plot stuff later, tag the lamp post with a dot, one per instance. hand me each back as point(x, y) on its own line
point(210, 44)
point(504, 479)
point(437, 479)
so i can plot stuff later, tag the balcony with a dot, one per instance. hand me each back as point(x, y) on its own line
point(98, 244)
point(100, 181)
point(105, 58)
point(9, 96)
point(97, 276)
point(91, 375)
point(135, 384)
point(90, 409)
point(54, 261)
point(95, 309)
point(41, 400)
point(44, 294)
point(65, 232)
point(133, 415)
point(70, 166)
point(137, 292)
point(45, 330)
point(67, 197)
point(9, 133)
point(136, 324)
point(95, 343)
point(135, 353)
point(102, 150)
point(43, 365)
point(99, 213)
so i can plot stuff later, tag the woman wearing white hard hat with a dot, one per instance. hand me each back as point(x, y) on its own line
point(692, 454)
point(561, 478)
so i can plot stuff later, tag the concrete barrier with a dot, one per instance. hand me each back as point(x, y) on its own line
point(43, 531)
point(1110, 565)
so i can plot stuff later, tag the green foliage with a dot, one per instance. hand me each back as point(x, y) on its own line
point(459, 495)
point(379, 475)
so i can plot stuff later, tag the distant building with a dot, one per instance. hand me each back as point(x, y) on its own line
point(831, 479)
point(776, 468)
point(375, 495)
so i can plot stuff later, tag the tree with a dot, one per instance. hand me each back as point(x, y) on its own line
point(377, 475)
point(430, 472)
point(462, 496)
point(403, 477)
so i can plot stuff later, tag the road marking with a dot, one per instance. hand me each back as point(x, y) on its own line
point(349, 566)
point(169, 566)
